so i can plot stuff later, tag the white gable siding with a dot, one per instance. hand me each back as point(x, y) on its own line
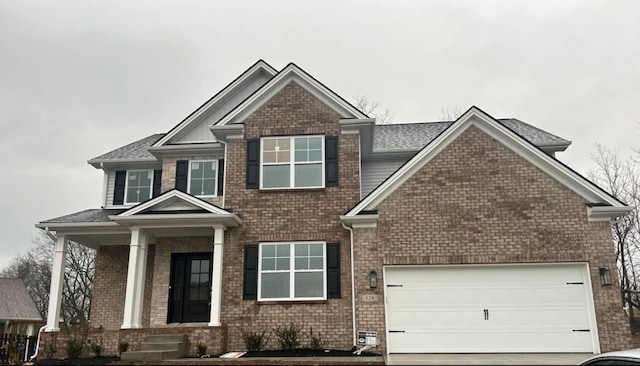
point(200, 131)
point(111, 182)
point(376, 171)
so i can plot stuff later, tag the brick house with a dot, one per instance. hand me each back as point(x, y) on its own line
point(277, 201)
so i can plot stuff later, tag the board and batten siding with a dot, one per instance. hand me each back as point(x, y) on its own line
point(200, 132)
point(376, 171)
point(111, 182)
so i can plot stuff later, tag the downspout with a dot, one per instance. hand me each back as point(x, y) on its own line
point(224, 180)
point(353, 286)
point(49, 234)
point(35, 354)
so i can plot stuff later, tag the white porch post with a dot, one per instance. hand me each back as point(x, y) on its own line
point(216, 280)
point(134, 296)
point(57, 278)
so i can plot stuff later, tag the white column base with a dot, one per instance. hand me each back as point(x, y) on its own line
point(131, 326)
point(51, 330)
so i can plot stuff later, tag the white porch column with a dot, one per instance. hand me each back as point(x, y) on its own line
point(216, 277)
point(134, 296)
point(57, 278)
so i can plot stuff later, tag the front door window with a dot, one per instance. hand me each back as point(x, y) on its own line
point(190, 288)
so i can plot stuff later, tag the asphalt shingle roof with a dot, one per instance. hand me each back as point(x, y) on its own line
point(15, 302)
point(414, 136)
point(134, 150)
point(91, 215)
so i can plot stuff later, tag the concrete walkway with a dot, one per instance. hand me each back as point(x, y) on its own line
point(487, 359)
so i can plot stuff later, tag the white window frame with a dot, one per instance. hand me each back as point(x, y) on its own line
point(292, 164)
point(215, 189)
point(126, 186)
point(292, 271)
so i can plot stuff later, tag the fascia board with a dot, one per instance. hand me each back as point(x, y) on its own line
point(486, 123)
point(226, 132)
point(277, 83)
point(170, 195)
point(97, 163)
point(178, 220)
point(221, 95)
point(606, 213)
point(360, 221)
point(54, 225)
point(166, 150)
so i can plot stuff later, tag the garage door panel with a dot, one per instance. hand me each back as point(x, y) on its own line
point(530, 308)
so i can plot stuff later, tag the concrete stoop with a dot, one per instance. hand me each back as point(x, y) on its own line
point(159, 347)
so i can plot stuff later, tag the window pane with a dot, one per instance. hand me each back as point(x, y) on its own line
point(302, 143)
point(145, 194)
point(195, 266)
point(193, 293)
point(316, 249)
point(282, 264)
point(302, 250)
point(196, 187)
point(315, 143)
point(268, 250)
point(301, 156)
point(195, 279)
point(269, 144)
point(316, 263)
point(209, 170)
point(308, 175)
point(283, 144)
point(274, 285)
point(308, 284)
point(132, 194)
point(302, 263)
point(283, 250)
point(283, 157)
point(315, 155)
point(196, 172)
point(204, 293)
point(204, 266)
point(209, 187)
point(145, 178)
point(269, 157)
point(276, 176)
point(268, 264)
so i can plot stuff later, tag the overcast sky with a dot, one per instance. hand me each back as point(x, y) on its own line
point(80, 78)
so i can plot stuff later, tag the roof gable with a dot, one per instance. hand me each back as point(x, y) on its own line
point(173, 201)
point(487, 124)
point(250, 79)
point(291, 73)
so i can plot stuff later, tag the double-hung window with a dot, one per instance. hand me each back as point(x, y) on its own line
point(139, 185)
point(292, 162)
point(203, 177)
point(292, 271)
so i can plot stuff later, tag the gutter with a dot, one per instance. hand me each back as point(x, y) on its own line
point(353, 286)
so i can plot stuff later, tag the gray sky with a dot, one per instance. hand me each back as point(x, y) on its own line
point(80, 78)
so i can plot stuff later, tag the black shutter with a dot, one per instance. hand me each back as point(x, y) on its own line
point(220, 177)
point(118, 189)
point(331, 161)
point(333, 271)
point(253, 164)
point(250, 283)
point(157, 182)
point(182, 172)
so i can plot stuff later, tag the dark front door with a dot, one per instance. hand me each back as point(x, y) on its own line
point(190, 288)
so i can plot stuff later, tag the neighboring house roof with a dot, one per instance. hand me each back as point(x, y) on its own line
point(15, 302)
point(136, 150)
point(91, 215)
point(608, 206)
point(415, 136)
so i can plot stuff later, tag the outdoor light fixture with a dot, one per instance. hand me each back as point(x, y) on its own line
point(605, 276)
point(373, 279)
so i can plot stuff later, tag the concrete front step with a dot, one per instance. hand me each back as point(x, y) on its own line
point(148, 355)
point(159, 347)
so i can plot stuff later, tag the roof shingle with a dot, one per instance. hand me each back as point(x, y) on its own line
point(134, 150)
point(15, 302)
point(91, 215)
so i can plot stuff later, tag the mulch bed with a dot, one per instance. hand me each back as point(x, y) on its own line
point(80, 361)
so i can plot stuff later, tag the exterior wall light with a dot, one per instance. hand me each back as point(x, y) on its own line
point(605, 276)
point(373, 279)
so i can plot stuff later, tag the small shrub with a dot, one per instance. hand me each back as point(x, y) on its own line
point(202, 349)
point(74, 348)
point(123, 347)
point(255, 341)
point(96, 347)
point(316, 340)
point(288, 337)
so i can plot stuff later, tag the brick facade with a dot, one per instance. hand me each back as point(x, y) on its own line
point(479, 202)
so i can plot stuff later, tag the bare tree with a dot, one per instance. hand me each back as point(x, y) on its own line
point(370, 108)
point(34, 268)
point(451, 113)
point(622, 179)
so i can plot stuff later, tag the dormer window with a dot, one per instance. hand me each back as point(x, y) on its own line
point(139, 185)
point(203, 177)
point(292, 162)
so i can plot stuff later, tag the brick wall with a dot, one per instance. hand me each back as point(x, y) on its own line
point(109, 286)
point(289, 215)
point(478, 202)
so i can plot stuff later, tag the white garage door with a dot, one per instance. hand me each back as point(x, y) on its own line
point(476, 309)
